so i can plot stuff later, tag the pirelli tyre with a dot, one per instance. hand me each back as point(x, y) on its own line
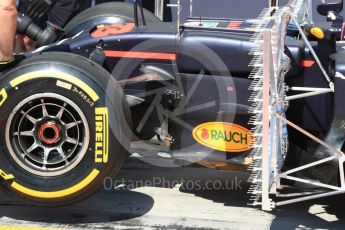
point(63, 129)
point(106, 13)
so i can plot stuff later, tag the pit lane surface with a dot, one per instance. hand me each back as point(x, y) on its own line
point(149, 197)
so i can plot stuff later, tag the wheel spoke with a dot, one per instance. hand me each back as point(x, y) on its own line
point(60, 113)
point(71, 140)
point(24, 133)
point(73, 124)
point(30, 118)
point(32, 147)
point(62, 154)
point(44, 109)
point(45, 157)
point(60, 151)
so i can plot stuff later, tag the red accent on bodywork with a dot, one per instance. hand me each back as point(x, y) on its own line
point(140, 55)
point(112, 29)
point(234, 25)
point(308, 63)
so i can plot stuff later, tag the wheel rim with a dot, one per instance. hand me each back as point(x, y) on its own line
point(47, 134)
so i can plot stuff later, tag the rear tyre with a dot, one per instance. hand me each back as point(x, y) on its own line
point(62, 133)
point(106, 13)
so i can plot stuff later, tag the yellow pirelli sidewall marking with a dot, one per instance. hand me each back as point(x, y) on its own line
point(6, 176)
point(102, 135)
point(3, 96)
point(60, 193)
point(57, 75)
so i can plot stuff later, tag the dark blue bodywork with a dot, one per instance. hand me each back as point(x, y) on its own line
point(210, 73)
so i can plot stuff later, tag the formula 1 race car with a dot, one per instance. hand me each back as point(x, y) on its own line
point(262, 94)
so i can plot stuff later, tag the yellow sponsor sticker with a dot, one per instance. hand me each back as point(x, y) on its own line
point(102, 135)
point(224, 136)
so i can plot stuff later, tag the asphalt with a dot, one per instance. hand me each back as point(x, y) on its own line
point(149, 197)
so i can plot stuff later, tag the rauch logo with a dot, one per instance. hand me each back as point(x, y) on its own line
point(224, 136)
